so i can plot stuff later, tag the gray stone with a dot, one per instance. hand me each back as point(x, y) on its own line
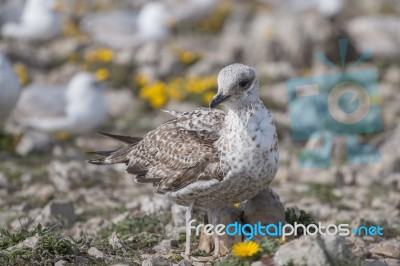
point(156, 261)
point(389, 248)
point(163, 248)
point(114, 241)
point(313, 250)
point(372, 262)
point(266, 208)
point(95, 253)
point(184, 263)
point(29, 242)
point(61, 263)
point(62, 210)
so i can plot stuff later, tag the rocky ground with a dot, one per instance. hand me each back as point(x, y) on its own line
point(57, 209)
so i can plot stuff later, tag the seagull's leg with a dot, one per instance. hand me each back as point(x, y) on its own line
point(188, 216)
point(216, 237)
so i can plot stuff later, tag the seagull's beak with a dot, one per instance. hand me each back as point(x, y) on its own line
point(218, 99)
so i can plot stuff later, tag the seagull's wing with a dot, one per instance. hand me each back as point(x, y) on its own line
point(176, 154)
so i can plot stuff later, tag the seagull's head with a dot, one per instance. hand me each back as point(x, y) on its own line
point(82, 85)
point(237, 87)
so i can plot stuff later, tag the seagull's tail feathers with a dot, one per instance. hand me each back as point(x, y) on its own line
point(123, 139)
point(115, 156)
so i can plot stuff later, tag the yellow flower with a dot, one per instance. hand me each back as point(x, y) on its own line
point(187, 57)
point(102, 74)
point(245, 249)
point(104, 55)
point(236, 205)
point(141, 79)
point(99, 55)
point(22, 73)
point(155, 94)
point(207, 99)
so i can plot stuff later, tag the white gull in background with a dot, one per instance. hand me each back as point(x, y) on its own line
point(81, 107)
point(126, 29)
point(189, 11)
point(39, 22)
point(9, 88)
point(206, 157)
point(327, 8)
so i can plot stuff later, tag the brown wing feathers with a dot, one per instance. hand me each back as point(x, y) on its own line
point(173, 155)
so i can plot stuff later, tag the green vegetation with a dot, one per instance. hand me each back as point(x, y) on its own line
point(47, 245)
point(322, 191)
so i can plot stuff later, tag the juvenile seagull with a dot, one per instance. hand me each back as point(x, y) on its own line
point(206, 157)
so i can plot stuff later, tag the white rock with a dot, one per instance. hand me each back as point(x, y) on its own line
point(114, 241)
point(61, 263)
point(95, 253)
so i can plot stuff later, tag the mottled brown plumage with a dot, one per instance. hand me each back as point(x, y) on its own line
point(174, 155)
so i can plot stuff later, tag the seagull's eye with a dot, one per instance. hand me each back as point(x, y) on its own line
point(243, 83)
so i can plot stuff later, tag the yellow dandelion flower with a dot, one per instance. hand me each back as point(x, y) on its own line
point(155, 94)
point(104, 55)
point(158, 101)
point(22, 73)
point(141, 80)
point(187, 57)
point(102, 74)
point(245, 249)
point(207, 98)
point(236, 205)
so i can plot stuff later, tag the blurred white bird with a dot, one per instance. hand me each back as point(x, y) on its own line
point(190, 11)
point(39, 22)
point(81, 107)
point(125, 29)
point(9, 88)
point(327, 8)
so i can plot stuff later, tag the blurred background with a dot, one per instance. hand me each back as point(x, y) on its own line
point(69, 69)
